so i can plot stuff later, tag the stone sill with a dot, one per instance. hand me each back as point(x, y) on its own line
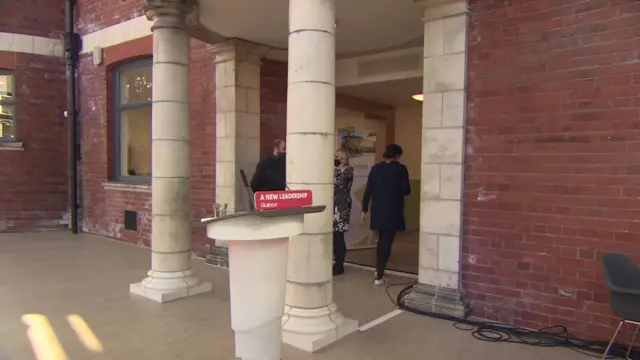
point(11, 145)
point(125, 186)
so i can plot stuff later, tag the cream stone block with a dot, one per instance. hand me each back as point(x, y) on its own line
point(444, 73)
point(225, 149)
point(170, 121)
point(313, 59)
point(428, 250)
point(455, 34)
point(442, 145)
point(170, 82)
point(449, 253)
point(221, 76)
point(253, 100)
point(171, 158)
point(247, 149)
point(440, 217)
point(439, 9)
point(230, 73)
point(22, 44)
point(169, 262)
point(170, 196)
point(312, 15)
point(247, 125)
point(171, 233)
point(225, 173)
point(248, 74)
point(225, 195)
point(47, 47)
point(434, 38)
point(170, 46)
point(241, 99)
point(451, 182)
point(225, 99)
point(308, 296)
point(440, 278)
point(309, 258)
point(310, 158)
point(432, 110)
point(453, 105)
point(311, 108)
point(222, 127)
point(430, 181)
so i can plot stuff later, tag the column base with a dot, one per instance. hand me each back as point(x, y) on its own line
point(168, 286)
point(439, 300)
point(313, 329)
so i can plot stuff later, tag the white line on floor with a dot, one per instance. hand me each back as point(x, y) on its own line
point(380, 320)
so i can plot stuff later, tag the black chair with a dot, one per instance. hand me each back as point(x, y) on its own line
point(622, 277)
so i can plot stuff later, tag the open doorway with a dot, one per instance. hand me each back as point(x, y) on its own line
point(366, 136)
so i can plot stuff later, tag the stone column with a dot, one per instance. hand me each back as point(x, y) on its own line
point(171, 276)
point(311, 319)
point(443, 121)
point(237, 69)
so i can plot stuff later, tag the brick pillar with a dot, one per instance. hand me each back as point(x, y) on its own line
point(312, 319)
point(171, 276)
point(445, 41)
point(237, 69)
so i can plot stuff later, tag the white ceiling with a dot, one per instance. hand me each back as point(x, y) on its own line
point(396, 93)
point(362, 25)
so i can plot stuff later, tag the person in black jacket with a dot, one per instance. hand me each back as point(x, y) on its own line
point(271, 172)
point(387, 185)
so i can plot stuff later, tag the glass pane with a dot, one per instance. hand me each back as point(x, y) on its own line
point(6, 122)
point(135, 142)
point(6, 87)
point(135, 85)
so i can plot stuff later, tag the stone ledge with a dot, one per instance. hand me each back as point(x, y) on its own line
point(219, 256)
point(11, 145)
point(124, 186)
point(439, 300)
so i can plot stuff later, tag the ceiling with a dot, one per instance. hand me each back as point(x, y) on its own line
point(362, 25)
point(396, 93)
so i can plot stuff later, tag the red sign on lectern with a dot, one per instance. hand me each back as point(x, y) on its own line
point(272, 200)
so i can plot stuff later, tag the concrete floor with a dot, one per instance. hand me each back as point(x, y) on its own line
point(57, 274)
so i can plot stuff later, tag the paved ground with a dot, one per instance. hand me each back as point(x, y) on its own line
point(57, 274)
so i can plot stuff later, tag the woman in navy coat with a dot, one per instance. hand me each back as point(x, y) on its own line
point(387, 185)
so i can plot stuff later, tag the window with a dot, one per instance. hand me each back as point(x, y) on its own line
point(7, 106)
point(133, 121)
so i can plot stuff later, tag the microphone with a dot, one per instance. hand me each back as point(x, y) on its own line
point(243, 175)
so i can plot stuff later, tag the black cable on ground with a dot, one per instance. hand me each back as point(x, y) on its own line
point(552, 336)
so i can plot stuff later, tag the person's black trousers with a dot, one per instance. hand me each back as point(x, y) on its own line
point(385, 242)
point(339, 251)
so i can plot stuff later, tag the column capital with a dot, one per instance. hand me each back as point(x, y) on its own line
point(169, 13)
point(438, 9)
point(238, 50)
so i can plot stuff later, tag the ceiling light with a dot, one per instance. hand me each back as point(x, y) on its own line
point(418, 97)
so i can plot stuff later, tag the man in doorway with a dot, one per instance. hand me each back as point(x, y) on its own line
point(271, 173)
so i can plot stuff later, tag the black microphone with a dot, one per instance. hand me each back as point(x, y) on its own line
point(252, 206)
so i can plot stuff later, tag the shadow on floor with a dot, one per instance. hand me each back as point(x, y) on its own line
point(57, 274)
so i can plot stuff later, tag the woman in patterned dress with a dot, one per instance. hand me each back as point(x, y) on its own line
point(343, 178)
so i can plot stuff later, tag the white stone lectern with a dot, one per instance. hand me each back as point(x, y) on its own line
point(258, 243)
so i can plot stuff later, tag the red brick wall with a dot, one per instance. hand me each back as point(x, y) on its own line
point(104, 206)
point(552, 176)
point(33, 17)
point(94, 15)
point(33, 194)
point(273, 106)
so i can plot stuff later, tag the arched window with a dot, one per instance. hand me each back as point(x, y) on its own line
point(133, 121)
point(7, 106)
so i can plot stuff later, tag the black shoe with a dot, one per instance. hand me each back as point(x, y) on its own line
point(338, 271)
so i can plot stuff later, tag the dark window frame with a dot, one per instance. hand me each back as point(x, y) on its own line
point(11, 103)
point(118, 109)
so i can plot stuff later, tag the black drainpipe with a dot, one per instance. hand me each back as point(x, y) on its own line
point(72, 46)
